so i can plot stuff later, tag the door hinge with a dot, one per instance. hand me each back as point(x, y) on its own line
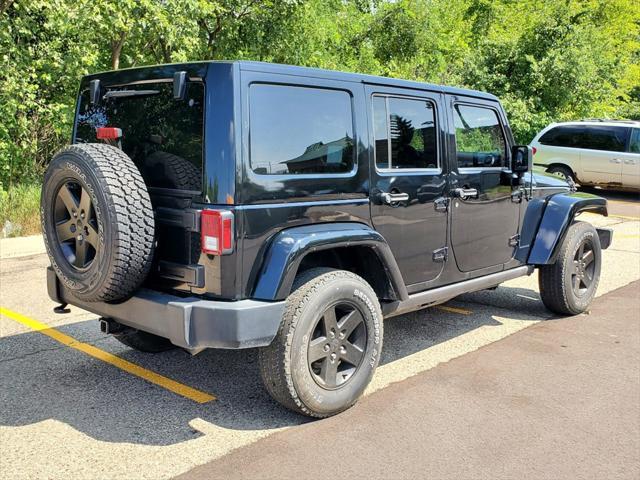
point(441, 254)
point(514, 240)
point(441, 204)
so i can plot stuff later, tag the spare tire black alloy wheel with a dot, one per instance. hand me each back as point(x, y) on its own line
point(97, 222)
point(337, 346)
point(76, 225)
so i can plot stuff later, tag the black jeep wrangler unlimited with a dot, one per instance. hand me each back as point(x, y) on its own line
point(243, 204)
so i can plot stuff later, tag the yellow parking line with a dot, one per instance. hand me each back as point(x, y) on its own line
point(446, 308)
point(164, 382)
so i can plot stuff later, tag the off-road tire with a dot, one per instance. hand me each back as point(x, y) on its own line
point(283, 365)
point(144, 341)
point(123, 218)
point(564, 171)
point(555, 280)
point(181, 174)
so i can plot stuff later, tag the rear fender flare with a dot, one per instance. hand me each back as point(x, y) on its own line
point(557, 216)
point(288, 248)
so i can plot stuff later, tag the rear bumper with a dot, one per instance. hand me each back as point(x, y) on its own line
point(191, 323)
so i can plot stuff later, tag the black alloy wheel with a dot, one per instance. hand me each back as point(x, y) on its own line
point(76, 225)
point(328, 344)
point(569, 284)
point(337, 346)
point(583, 268)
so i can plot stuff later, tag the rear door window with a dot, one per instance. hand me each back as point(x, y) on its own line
point(612, 139)
point(163, 136)
point(480, 139)
point(300, 130)
point(405, 133)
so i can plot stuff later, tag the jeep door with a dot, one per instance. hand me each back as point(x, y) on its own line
point(408, 182)
point(485, 206)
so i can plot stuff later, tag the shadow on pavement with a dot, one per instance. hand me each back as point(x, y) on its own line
point(41, 379)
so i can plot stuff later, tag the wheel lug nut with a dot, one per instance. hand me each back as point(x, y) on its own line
point(333, 357)
point(326, 347)
point(342, 349)
point(332, 334)
point(341, 335)
point(79, 237)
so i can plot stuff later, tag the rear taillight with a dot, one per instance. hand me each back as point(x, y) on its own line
point(108, 133)
point(534, 149)
point(216, 227)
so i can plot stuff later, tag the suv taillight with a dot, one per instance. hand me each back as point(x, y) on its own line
point(216, 228)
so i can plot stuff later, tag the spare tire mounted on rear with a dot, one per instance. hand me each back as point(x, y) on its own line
point(97, 221)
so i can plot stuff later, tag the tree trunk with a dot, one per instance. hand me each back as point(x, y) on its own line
point(4, 5)
point(116, 49)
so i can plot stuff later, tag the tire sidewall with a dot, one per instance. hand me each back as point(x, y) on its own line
point(316, 398)
point(70, 166)
point(584, 233)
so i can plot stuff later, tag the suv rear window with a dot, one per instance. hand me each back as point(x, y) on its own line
point(593, 137)
point(300, 130)
point(163, 136)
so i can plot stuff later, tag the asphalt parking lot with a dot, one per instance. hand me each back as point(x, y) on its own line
point(75, 403)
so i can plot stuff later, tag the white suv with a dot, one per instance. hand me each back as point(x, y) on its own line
point(591, 152)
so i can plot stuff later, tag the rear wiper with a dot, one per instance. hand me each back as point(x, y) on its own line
point(130, 93)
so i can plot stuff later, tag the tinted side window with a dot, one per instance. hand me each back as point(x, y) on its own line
point(479, 138)
point(298, 130)
point(612, 139)
point(634, 144)
point(564, 136)
point(405, 133)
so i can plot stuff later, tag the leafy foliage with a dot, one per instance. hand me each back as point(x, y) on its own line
point(547, 60)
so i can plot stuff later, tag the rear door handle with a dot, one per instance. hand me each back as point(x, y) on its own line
point(390, 198)
point(616, 160)
point(464, 193)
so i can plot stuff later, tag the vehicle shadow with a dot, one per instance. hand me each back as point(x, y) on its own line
point(41, 379)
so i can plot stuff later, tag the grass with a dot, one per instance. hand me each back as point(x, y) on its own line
point(20, 210)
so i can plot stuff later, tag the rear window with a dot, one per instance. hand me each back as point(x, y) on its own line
point(163, 136)
point(592, 137)
point(300, 130)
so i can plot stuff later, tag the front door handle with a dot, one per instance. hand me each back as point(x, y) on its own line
point(390, 198)
point(464, 193)
point(616, 160)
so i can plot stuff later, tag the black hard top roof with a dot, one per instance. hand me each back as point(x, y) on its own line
point(139, 73)
point(356, 77)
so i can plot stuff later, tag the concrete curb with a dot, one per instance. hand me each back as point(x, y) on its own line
point(21, 246)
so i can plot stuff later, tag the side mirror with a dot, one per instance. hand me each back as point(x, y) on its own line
point(521, 158)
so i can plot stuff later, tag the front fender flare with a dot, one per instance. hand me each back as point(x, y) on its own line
point(558, 214)
point(289, 247)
